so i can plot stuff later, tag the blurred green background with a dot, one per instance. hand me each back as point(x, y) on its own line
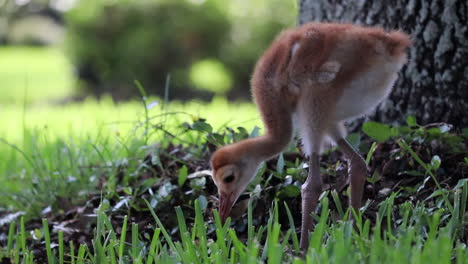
point(60, 51)
point(68, 69)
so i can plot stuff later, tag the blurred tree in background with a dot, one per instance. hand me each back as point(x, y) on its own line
point(114, 44)
point(208, 47)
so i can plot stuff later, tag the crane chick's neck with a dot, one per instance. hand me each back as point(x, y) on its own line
point(260, 148)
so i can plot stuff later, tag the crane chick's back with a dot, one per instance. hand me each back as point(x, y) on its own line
point(294, 61)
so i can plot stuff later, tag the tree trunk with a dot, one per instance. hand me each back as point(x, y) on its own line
point(433, 86)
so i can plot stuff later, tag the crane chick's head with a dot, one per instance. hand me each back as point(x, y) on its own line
point(232, 172)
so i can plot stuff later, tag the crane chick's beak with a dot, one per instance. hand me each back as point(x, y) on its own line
point(226, 201)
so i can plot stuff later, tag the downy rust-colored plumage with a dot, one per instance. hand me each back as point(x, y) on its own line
point(312, 78)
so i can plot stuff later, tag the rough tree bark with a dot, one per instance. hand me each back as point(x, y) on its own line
point(433, 86)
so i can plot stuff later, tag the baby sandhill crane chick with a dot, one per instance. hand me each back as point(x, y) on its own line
point(312, 78)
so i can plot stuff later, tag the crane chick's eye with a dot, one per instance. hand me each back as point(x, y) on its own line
point(229, 179)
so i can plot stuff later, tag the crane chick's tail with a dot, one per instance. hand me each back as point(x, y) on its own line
point(394, 43)
point(397, 43)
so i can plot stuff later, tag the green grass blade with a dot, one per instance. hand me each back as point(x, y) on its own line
point(317, 235)
point(72, 253)
point(250, 227)
point(23, 235)
point(152, 249)
point(292, 227)
point(45, 226)
point(108, 226)
point(239, 247)
point(61, 250)
point(221, 235)
point(370, 153)
point(339, 206)
point(16, 250)
point(111, 255)
point(188, 246)
point(81, 254)
point(135, 243)
point(122, 239)
point(166, 235)
point(11, 236)
point(200, 226)
point(97, 244)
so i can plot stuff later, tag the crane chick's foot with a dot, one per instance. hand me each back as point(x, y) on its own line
point(310, 198)
point(357, 171)
point(311, 190)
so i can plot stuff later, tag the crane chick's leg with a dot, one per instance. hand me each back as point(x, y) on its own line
point(357, 170)
point(311, 190)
